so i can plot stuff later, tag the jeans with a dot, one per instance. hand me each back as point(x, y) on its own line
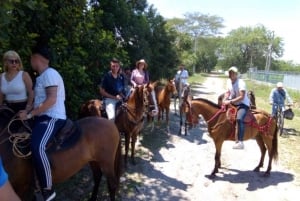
point(241, 114)
point(110, 107)
point(274, 109)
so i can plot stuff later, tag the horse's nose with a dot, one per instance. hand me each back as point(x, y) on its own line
point(154, 112)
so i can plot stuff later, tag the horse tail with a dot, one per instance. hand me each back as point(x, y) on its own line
point(118, 163)
point(275, 143)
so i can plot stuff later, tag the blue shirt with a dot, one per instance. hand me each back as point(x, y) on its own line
point(3, 175)
point(113, 86)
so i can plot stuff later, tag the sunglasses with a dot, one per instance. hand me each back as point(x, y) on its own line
point(13, 61)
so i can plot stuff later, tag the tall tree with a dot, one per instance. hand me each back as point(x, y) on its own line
point(247, 47)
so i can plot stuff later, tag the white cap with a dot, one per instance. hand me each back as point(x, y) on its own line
point(233, 69)
point(279, 84)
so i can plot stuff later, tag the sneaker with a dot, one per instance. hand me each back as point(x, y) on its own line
point(49, 194)
point(238, 145)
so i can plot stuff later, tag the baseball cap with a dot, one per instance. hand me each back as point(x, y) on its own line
point(233, 69)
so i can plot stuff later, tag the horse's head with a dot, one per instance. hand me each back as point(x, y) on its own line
point(91, 108)
point(149, 99)
point(171, 87)
point(192, 117)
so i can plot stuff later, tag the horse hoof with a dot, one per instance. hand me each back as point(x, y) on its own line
point(256, 169)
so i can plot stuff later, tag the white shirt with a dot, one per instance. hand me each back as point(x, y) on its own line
point(182, 75)
point(15, 89)
point(234, 91)
point(49, 78)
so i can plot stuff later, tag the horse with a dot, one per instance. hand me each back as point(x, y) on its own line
point(92, 107)
point(130, 118)
point(98, 145)
point(163, 97)
point(130, 115)
point(263, 129)
point(250, 95)
point(186, 96)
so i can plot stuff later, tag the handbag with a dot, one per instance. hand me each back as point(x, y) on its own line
point(288, 114)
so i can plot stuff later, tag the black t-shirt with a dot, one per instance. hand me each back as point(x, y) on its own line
point(113, 86)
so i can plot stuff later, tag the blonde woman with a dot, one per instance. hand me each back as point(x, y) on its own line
point(15, 84)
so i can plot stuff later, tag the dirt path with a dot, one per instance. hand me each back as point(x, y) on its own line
point(172, 167)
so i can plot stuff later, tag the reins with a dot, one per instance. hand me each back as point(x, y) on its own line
point(222, 110)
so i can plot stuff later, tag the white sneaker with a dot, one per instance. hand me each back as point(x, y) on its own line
point(238, 145)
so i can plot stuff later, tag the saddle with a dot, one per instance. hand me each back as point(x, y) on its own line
point(232, 112)
point(65, 138)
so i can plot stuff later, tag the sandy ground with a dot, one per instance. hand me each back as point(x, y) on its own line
point(173, 167)
point(176, 167)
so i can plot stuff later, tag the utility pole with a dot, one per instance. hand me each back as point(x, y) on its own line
point(269, 53)
point(195, 52)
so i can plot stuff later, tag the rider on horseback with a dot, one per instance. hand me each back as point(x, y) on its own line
point(50, 115)
point(236, 95)
point(113, 88)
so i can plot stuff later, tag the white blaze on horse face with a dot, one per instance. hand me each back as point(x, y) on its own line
point(155, 111)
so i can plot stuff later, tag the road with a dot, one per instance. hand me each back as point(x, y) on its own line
point(172, 167)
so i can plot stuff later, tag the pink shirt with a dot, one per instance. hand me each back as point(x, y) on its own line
point(139, 78)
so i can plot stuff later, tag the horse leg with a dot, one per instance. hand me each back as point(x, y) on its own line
point(97, 174)
point(127, 141)
point(218, 146)
point(112, 182)
point(133, 141)
point(167, 115)
point(262, 148)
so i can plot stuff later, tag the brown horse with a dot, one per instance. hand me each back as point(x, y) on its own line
point(130, 118)
point(264, 130)
point(99, 145)
point(130, 115)
point(91, 108)
point(163, 96)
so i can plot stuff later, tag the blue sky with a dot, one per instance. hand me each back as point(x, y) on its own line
point(280, 16)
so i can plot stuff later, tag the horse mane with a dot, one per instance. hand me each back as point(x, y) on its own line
point(208, 102)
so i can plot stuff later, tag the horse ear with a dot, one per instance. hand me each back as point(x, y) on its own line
point(154, 83)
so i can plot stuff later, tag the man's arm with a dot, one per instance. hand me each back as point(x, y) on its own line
point(271, 97)
point(288, 98)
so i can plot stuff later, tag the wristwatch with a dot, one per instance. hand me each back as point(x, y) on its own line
point(29, 116)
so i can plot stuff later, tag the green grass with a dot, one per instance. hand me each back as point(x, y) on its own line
point(288, 144)
point(197, 78)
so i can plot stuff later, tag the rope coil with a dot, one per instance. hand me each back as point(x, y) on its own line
point(19, 140)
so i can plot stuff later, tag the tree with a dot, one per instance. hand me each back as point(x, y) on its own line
point(195, 43)
point(247, 47)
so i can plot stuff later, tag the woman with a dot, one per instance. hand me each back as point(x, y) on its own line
point(140, 76)
point(15, 85)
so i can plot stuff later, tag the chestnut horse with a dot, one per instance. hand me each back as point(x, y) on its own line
point(163, 96)
point(130, 115)
point(98, 145)
point(264, 130)
point(130, 119)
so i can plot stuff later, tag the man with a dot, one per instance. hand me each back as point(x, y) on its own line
point(237, 95)
point(113, 88)
point(6, 191)
point(181, 78)
point(50, 115)
point(277, 98)
point(182, 75)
